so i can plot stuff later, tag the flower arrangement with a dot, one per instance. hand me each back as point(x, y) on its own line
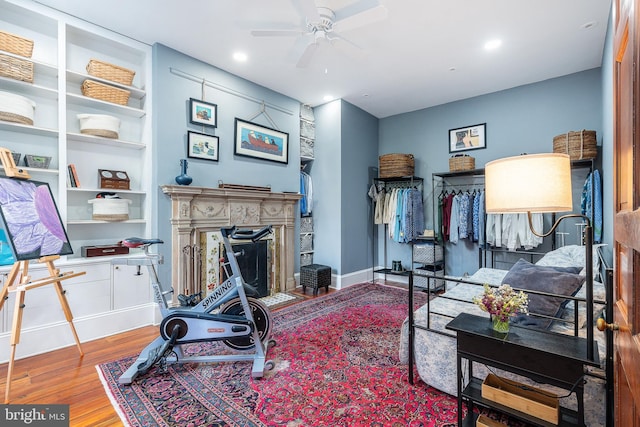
point(502, 302)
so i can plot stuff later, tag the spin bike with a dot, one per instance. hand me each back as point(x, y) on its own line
point(231, 313)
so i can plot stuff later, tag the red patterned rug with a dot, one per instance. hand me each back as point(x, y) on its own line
point(336, 364)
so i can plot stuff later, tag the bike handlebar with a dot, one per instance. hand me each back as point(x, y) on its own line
point(245, 234)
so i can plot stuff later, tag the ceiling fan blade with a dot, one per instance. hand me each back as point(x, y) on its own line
point(309, 10)
point(358, 14)
point(333, 37)
point(276, 33)
point(307, 55)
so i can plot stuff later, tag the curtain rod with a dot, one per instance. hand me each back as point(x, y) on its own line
point(204, 81)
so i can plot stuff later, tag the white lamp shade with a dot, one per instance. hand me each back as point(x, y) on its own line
point(529, 183)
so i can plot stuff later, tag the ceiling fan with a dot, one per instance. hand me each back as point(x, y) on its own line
point(324, 24)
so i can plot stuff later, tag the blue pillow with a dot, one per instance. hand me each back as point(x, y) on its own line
point(554, 280)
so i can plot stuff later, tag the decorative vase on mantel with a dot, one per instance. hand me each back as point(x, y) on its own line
point(183, 178)
point(499, 325)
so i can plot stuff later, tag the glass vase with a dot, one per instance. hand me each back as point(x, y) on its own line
point(499, 325)
point(183, 178)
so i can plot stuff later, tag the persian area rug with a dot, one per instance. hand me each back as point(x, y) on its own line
point(336, 364)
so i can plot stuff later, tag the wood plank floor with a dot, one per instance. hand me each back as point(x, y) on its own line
point(63, 377)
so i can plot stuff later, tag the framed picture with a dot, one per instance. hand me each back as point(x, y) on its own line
point(261, 142)
point(201, 146)
point(31, 220)
point(203, 113)
point(468, 138)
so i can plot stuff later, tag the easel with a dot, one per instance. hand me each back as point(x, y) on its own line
point(20, 282)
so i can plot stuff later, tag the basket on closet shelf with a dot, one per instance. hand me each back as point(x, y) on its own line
point(577, 144)
point(396, 165)
point(111, 72)
point(104, 92)
point(461, 162)
point(15, 44)
point(16, 68)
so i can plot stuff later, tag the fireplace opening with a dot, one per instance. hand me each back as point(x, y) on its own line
point(253, 262)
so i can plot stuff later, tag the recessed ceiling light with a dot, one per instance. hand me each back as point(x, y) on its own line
point(492, 44)
point(240, 56)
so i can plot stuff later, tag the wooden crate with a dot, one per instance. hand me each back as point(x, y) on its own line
point(484, 421)
point(530, 400)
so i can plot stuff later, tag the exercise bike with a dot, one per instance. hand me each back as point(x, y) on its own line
point(231, 313)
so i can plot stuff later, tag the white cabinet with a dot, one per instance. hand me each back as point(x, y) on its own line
point(130, 286)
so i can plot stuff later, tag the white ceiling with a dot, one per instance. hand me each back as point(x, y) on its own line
point(423, 53)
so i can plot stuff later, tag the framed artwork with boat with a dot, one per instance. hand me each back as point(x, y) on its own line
point(254, 140)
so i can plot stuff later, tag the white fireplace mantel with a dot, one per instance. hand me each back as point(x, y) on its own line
point(200, 209)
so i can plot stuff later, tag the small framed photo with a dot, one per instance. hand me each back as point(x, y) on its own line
point(468, 138)
point(203, 113)
point(253, 140)
point(201, 146)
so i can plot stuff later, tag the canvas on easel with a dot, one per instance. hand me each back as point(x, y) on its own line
point(34, 230)
point(31, 220)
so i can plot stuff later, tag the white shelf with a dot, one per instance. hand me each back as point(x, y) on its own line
point(85, 101)
point(27, 89)
point(95, 222)
point(33, 130)
point(104, 190)
point(91, 139)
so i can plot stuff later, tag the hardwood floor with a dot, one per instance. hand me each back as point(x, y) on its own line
point(63, 377)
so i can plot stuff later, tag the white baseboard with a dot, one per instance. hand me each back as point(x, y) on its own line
point(53, 336)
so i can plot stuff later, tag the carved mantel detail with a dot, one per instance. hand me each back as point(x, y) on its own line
point(199, 209)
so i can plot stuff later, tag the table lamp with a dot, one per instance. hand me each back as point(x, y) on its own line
point(539, 183)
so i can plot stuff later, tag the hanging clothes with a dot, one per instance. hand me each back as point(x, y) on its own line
point(306, 190)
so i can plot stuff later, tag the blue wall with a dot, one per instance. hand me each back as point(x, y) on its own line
point(349, 141)
point(171, 123)
point(520, 120)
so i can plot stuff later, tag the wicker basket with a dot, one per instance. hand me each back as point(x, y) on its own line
point(105, 92)
point(428, 253)
point(578, 145)
point(462, 163)
point(16, 68)
point(396, 165)
point(110, 72)
point(16, 44)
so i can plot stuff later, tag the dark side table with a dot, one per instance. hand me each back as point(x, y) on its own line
point(544, 357)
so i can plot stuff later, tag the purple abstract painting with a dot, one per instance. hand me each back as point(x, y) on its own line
point(31, 219)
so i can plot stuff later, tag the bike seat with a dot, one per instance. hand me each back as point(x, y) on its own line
point(136, 242)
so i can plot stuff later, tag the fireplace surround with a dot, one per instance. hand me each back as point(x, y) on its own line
point(200, 211)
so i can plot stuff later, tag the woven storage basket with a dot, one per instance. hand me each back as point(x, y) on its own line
point(16, 44)
point(99, 125)
point(15, 68)
point(110, 209)
point(16, 108)
point(110, 72)
point(578, 145)
point(427, 253)
point(420, 279)
point(396, 165)
point(306, 224)
point(108, 93)
point(462, 163)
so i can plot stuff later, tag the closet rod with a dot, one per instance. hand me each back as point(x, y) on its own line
point(211, 84)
